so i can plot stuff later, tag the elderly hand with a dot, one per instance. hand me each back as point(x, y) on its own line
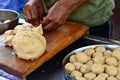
point(59, 12)
point(34, 12)
point(57, 15)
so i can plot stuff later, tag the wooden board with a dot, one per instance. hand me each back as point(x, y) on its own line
point(56, 41)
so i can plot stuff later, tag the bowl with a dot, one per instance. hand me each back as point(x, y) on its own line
point(66, 58)
point(7, 14)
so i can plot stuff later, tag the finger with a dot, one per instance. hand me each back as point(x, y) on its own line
point(50, 27)
point(41, 13)
point(45, 21)
point(27, 13)
point(35, 16)
point(36, 24)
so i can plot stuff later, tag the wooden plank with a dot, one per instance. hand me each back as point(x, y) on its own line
point(56, 41)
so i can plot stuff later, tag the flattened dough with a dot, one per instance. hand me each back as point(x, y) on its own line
point(28, 43)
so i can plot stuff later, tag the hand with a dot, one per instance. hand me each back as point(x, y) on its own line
point(59, 12)
point(57, 16)
point(34, 12)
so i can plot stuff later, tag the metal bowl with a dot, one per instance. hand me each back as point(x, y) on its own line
point(66, 58)
point(6, 14)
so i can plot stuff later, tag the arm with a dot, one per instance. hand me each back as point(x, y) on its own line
point(34, 11)
point(59, 13)
point(72, 4)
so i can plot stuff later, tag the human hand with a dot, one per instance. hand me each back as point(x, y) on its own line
point(57, 16)
point(34, 12)
point(59, 12)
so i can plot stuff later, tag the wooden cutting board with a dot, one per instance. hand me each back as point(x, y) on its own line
point(56, 41)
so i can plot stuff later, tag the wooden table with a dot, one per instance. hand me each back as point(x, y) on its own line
point(56, 41)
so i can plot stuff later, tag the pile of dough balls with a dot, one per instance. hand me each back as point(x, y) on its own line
point(98, 63)
point(27, 41)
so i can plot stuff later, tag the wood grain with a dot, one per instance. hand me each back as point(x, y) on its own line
point(56, 41)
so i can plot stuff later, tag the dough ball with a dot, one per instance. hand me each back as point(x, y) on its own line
point(100, 49)
point(111, 78)
point(82, 57)
point(76, 74)
point(118, 68)
point(117, 49)
point(105, 65)
point(118, 63)
point(90, 76)
point(118, 76)
point(107, 53)
point(97, 54)
point(72, 58)
point(85, 69)
point(28, 45)
point(99, 78)
point(111, 70)
point(80, 78)
point(111, 61)
point(99, 60)
point(90, 63)
point(8, 33)
point(77, 65)
point(8, 40)
point(97, 68)
point(116, 54)
point(89, 51)
point(104, 75)
point(8, 37)
point(69, 67)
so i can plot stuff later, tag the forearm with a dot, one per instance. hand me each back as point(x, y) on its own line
point(72, 4)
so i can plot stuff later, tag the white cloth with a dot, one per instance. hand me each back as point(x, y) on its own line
point(2, 78)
